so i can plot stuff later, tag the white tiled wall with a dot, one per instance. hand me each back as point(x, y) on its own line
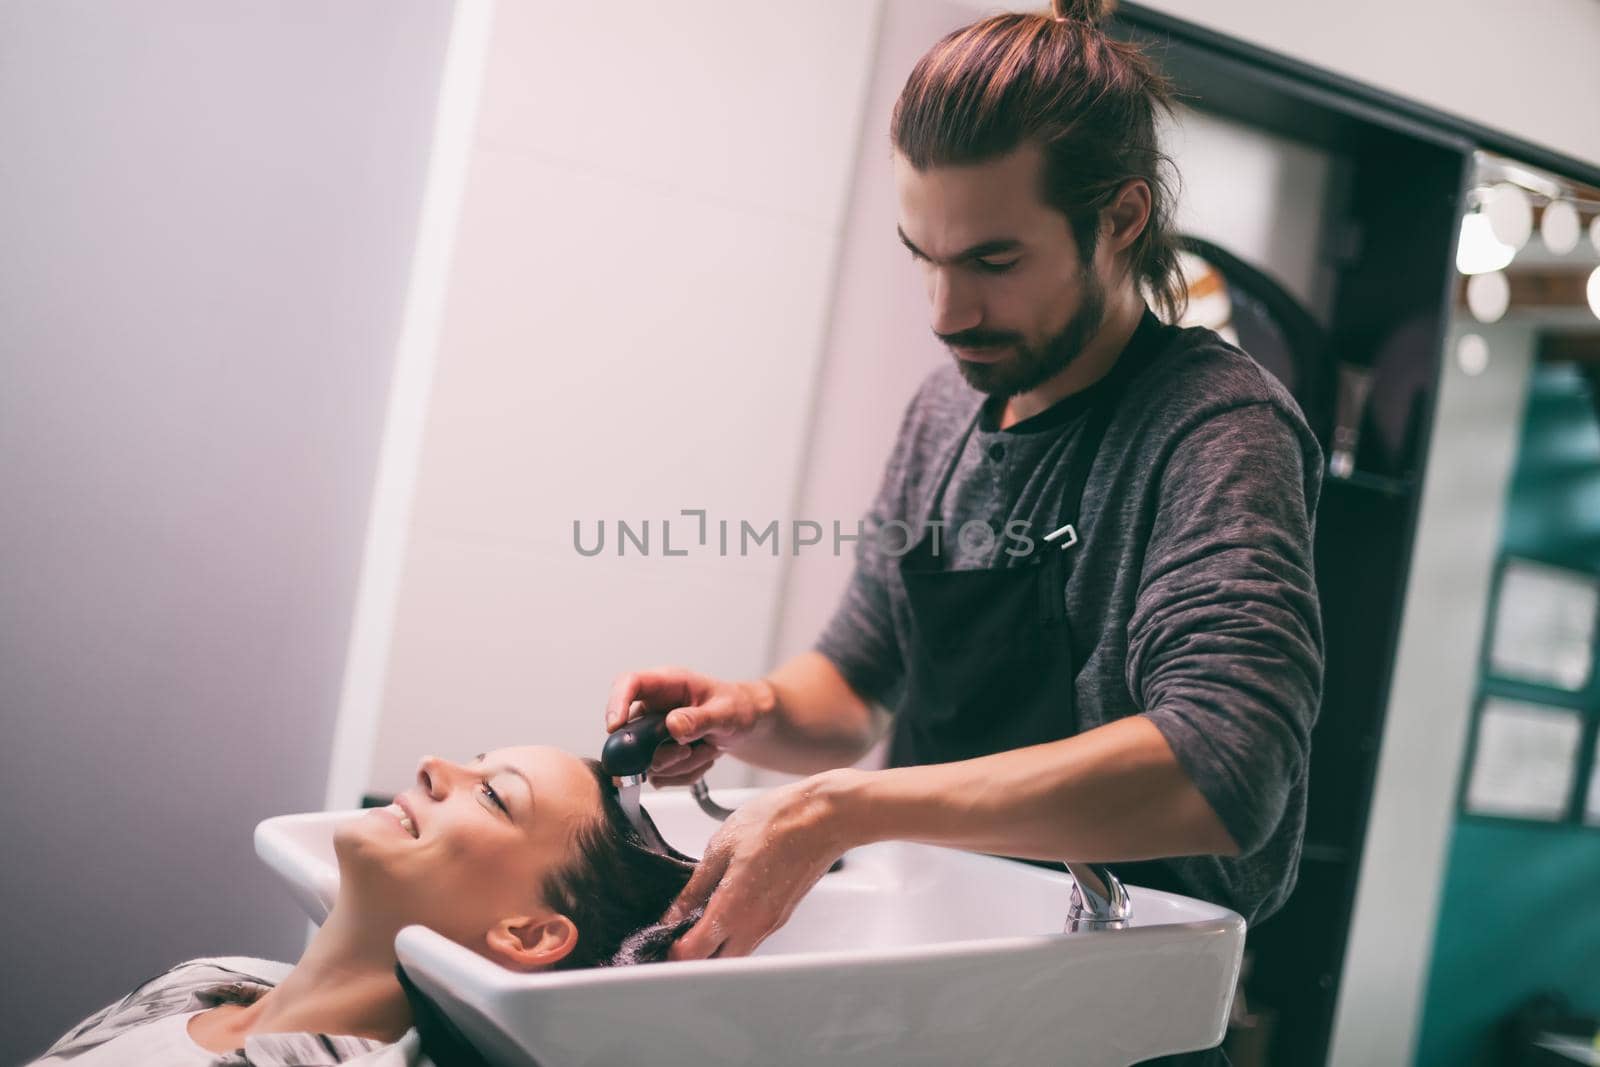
point(674, 232)
point(636, 307)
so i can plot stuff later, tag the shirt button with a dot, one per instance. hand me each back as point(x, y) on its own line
point(997, 452)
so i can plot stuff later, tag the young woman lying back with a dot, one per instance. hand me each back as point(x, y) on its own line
point(523, 855)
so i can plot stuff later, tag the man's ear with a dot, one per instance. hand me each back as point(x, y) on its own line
point(529, 943)
point(1125, 218)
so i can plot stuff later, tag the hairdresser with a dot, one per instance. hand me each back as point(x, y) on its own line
point(1083, 605)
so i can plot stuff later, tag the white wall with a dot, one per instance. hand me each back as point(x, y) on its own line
point(636, 305)
point(757, 228)
point(208, 213)
point(879, 344)
point(1528, 69)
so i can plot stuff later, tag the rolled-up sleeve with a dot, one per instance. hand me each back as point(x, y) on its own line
point(1225, 645)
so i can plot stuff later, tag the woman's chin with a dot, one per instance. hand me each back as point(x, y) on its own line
point(364, 856)
point(351, 839)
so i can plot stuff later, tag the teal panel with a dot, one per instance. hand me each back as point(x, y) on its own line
point(1520, 910)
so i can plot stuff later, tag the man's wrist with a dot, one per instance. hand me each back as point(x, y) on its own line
point(844, 794)
point(759, 696)
point(764, 696)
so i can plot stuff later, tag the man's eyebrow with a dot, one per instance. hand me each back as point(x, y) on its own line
point(986, 248)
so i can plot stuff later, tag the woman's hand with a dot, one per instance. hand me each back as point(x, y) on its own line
point(758, 865)
point(705, 716)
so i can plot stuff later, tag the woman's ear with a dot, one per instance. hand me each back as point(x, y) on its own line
point(528, 943)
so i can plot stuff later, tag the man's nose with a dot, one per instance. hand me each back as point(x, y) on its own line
point(954, 309)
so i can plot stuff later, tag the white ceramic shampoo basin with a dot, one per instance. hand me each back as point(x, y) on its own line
point(910, 954)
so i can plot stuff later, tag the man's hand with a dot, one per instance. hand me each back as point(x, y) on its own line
point(705, 715)
point(766, 856)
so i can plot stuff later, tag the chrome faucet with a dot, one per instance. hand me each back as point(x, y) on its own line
point(1099, 901)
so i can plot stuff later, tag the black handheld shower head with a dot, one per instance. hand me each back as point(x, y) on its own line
point(626, 756)
point(629, 750)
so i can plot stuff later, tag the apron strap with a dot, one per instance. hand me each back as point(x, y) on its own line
point(1068, 530)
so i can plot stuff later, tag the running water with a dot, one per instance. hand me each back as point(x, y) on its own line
point(628, 797)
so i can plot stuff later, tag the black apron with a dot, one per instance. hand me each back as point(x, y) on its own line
point(992, 664)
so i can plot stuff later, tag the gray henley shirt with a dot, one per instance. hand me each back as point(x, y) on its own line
point(1193, 602)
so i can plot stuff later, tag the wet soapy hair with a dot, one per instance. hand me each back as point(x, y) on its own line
point(617, 888)
point(1088, 101)
point(615, 892)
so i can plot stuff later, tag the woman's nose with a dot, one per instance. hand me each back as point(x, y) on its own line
point(434, 775)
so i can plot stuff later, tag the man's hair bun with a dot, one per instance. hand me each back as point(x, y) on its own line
point(1086, 11)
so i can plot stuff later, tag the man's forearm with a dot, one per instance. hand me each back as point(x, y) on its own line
point(1113, 793)
point(810, 719)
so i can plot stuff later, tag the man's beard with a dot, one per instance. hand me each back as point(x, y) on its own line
point(1028, 367)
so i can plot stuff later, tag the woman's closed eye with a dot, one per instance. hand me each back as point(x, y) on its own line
point(488, 790)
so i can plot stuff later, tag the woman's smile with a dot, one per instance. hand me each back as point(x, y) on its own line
point(400, 812)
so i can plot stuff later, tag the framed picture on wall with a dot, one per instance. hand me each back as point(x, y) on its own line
point(1543, 629)
point(1591, 807)
point(1524, 761)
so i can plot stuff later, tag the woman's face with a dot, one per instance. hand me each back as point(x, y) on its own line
point(467, 849)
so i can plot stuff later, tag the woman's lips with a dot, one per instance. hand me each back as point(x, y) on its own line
point(400, 811)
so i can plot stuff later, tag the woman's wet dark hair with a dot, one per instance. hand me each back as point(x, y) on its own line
point(617, 889)
point(615, 892)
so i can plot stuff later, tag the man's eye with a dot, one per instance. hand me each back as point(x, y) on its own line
point(994, 268)
point(488, 791)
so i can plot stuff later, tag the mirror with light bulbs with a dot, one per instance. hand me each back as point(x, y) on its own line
point(1529, 264)
point(1400, 189)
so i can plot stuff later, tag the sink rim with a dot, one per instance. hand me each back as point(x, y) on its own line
point(415, 940)
point(313, 881)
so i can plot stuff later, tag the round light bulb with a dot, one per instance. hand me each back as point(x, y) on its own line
point(1593, 292)
point(1559, 227)
point(1479, 250)
point(1510, 214)
point(1488, 296)
point(1472, 354)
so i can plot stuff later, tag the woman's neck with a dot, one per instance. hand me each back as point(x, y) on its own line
point(344, 983)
